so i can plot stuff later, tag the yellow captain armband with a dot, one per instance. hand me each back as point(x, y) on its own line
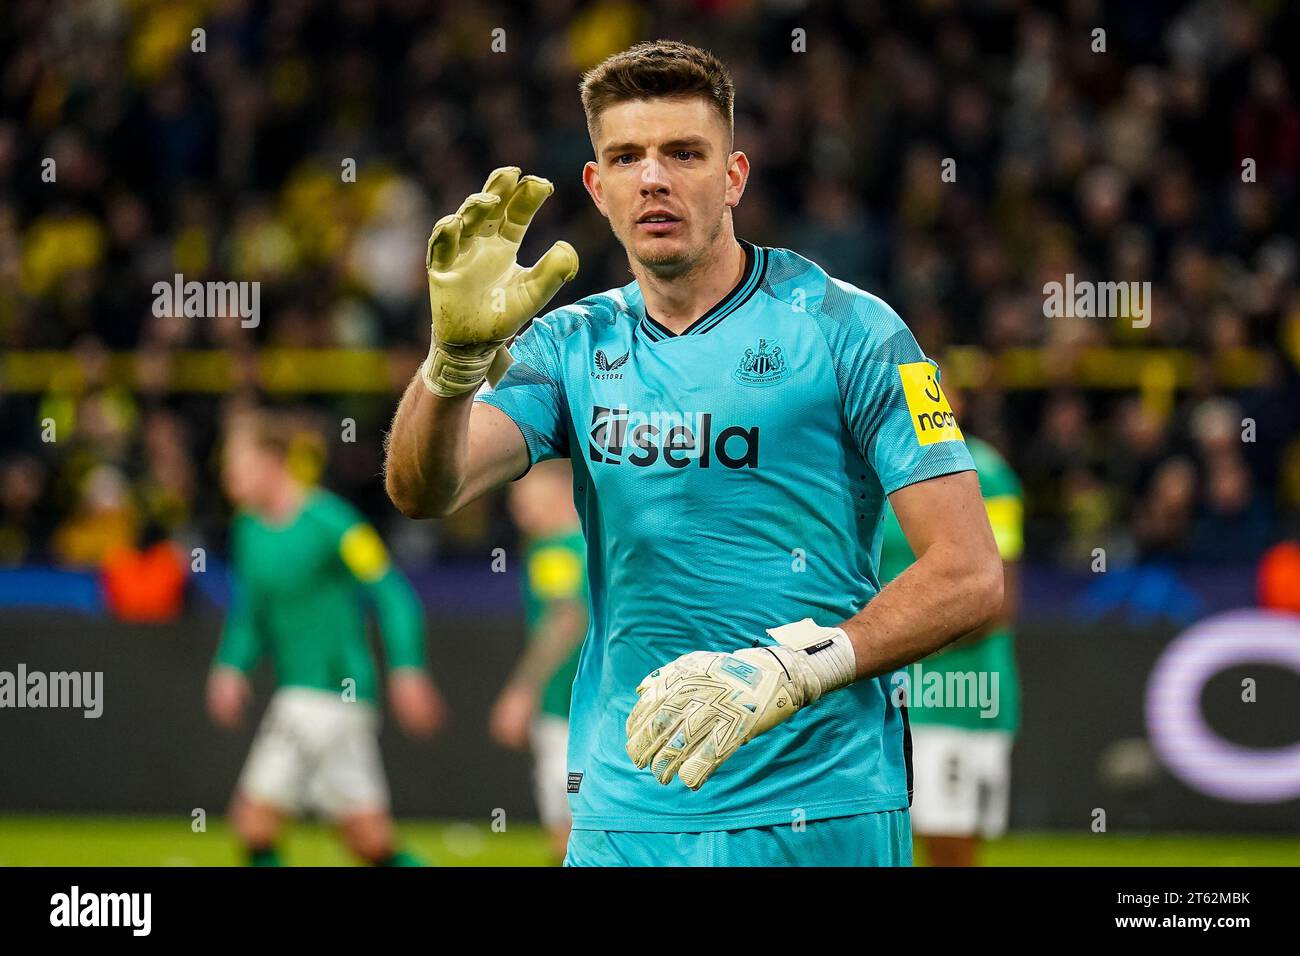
point(364, 553)
point(1006, 515)
point(555, 573)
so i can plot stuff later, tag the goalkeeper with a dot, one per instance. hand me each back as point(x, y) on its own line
point(736, 419)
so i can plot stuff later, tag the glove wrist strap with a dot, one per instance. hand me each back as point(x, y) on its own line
point(452, 370)
point(823, 656)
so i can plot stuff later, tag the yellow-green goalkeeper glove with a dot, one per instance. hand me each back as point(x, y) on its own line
point(697, 711)
point(479, 295)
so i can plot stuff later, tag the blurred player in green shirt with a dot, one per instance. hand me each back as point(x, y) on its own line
point(534, 705)
point(964, 700)
point(306, 565)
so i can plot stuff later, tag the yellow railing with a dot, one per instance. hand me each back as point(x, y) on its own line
point(376, 371)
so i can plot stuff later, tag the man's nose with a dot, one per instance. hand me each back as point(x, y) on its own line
point(653, 178)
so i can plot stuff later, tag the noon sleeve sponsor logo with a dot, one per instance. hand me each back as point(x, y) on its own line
point(932, 416)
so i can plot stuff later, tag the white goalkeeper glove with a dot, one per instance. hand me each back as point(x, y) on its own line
point(479, 295)
point(696, 712)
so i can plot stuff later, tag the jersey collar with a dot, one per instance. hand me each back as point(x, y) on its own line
point(750, 279)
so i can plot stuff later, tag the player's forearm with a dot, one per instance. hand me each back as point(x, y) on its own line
point(947, 592)
point(1006, 613)
point(559, 632)
point(427, 451)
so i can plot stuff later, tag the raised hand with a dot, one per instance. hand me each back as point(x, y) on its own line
point(479, 295)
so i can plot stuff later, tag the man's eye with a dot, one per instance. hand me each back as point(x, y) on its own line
point(685, 154)
point(618, 160)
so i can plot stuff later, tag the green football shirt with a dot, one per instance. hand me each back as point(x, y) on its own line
point(995, 654)
point(301, 593)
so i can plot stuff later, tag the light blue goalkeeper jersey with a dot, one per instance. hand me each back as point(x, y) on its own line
point(730, 479)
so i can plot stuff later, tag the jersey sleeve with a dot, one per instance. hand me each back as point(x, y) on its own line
point(241, 645)
point(532, 392)
point(396, 605)
point(894, 407)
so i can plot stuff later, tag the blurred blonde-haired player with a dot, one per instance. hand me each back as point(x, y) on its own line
point(306, 566)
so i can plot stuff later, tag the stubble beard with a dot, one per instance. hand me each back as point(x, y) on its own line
point(675, 263)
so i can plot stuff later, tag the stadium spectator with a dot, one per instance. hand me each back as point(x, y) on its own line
point(1170, 159)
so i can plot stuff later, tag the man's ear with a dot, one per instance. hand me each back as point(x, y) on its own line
point(737, 177)
point(591, 181)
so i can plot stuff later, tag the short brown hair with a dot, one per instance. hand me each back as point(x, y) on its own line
point(293, 437)
point(267, 431)
point(657, 68)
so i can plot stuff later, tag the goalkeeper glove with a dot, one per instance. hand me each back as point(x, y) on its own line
point(479, 295)
point(696, 712)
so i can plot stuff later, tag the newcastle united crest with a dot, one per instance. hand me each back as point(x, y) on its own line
point(764, 367)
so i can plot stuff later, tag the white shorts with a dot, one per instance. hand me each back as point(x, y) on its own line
point(315, 751)
point(962, 781)
point(550, 739)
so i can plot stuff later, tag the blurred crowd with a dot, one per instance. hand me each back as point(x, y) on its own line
point(1165, 149)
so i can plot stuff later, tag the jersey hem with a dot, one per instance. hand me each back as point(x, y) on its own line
point(908, 482)
point(371, 700)
point(950, 724)
point(709, 822)
point(528, 446)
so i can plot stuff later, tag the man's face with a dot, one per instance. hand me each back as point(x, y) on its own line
point(248, 471)
point(665, 158)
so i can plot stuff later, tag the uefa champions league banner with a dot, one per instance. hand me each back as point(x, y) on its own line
point(1188, 744)
point(1163, 727)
